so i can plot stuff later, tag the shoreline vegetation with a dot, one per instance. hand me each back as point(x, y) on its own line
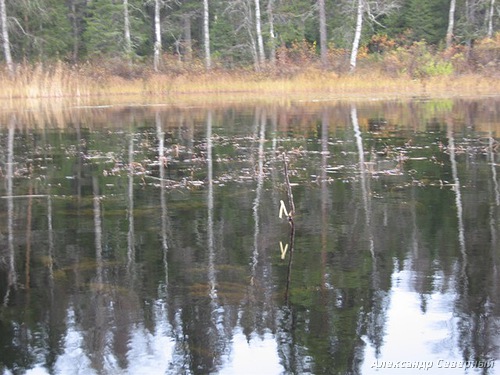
point(415, 71)
point(63, 83)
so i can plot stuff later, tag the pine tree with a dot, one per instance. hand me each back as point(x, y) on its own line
point(105, 30)
point(76, 14)
point(41, 30)
point(428, 19)
point(296, 21)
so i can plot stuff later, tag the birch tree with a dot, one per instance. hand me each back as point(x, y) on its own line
point(5, 38)
point(451, 23)
point(322, 33)
point(357, 36)
point(258, 29)
point(491, 12)
point(373, 9)
point(157, 45)
point(272, 36)
point(241, 15)
point(126, 27)
point(206, 35)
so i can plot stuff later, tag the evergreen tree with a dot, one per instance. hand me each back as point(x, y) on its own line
point(54, 31)
point(427, 19)
point(104, 32)
point(75, 29)
point(340, 20)
point(76, 15)
point(296, 21)
point(224, 38)
point(104, 28)
point(41, 30)
point(472, 20)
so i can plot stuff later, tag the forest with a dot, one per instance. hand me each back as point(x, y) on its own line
point(133, 39)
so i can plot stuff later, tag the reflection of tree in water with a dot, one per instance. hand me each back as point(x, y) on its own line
point(9, 257)
point(476, 277)
point(208, 266)
point(257, 309)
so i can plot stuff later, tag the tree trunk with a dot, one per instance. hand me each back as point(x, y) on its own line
point(258, 28)
point(469, 26)
point(357, 36)
point(255, 53)
point(74, 25)
point(322, 33)
point(9, 178)
point(188, 40)
point(126, 27)
point(451, 24)
point(206, 36)
point(272, 37)
point(490, 19)
point(5, 38)
point(157, 46)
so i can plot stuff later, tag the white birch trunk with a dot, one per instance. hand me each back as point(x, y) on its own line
point(5, 38)
point(206, 36)
point(272, 36)
point(157, 46)
point(451, 24)
point(490, 19)
point(126, 26)
point(357, 36)
point(322, 33)
point(258, 28)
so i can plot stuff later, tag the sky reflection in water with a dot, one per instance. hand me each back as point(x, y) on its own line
point(140, 240)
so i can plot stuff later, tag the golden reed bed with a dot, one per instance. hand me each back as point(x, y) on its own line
point(86, 86)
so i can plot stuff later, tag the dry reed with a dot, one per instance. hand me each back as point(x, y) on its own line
point(86, 85)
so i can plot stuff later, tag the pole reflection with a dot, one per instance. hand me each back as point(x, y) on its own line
point(457, 191)
point(11, 262)
point(364, 180)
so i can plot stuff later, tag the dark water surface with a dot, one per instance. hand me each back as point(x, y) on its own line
point(147, 240)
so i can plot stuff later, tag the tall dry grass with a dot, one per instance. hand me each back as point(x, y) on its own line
point(61, 81)
point(409, 71)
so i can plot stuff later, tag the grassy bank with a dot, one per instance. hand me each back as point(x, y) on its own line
point(397, 72)
point(89, 85)
point(66, 82)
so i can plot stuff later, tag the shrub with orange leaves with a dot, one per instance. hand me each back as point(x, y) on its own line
point(381, 43)
point(486, 53)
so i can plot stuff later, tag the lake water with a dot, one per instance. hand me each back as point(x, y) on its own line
point(147, 239)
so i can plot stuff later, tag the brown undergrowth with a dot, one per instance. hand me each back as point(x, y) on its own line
point(393, 70)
